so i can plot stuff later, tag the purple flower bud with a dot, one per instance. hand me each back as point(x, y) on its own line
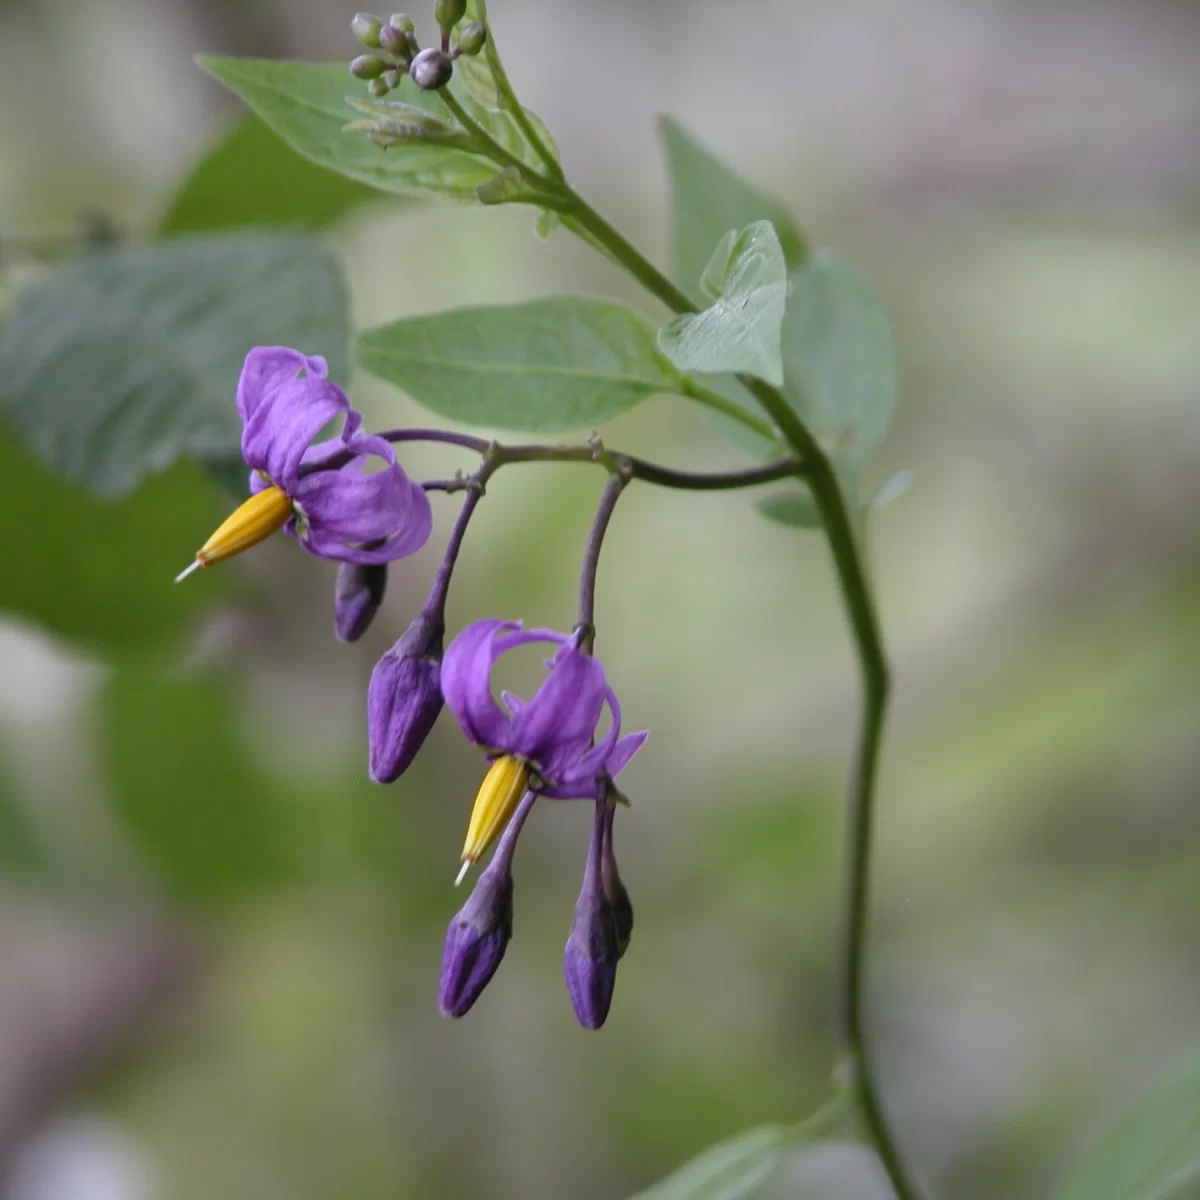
point(393, 40)
point(357, 595)
point(404, 698)
point(431, 69)
point(476, 941)
point(479, 934)
point(593, 947)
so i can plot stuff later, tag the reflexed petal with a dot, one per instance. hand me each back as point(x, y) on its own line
point(467, 686)
point(282, 427)
point(267, 368)
point(560, 719)
point(581, 783)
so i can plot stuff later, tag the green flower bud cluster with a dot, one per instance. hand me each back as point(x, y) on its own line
point(396, 47)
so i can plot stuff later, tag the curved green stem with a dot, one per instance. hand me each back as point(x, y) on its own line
point(864, 623)
point(492, 148)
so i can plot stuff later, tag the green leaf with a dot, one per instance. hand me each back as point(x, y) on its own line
point(550, 365)
point(306, 104)
point(747, 280)
point(707, 200)
point(728, 1171)
point(126, 360)
point(1153, 1152)
point(186, 787)
point(796, 509)
point(839, 364)
point(249, 177)
point(478, 78)
point(99, 572)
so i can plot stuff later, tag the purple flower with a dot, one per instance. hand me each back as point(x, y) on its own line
point(320, 493)
point(404, 698)
point(546, 744)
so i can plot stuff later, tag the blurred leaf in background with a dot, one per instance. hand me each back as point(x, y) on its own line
point(124, 361)
point(100, 572)
point(249, 177)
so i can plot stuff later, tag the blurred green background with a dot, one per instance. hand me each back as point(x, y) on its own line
point(219, 942)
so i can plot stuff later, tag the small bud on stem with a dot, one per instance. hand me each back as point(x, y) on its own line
point(366, 29)
point(431, 69)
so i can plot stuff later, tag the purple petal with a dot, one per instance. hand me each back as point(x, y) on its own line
point(266, 368)
point(282, 426)
point(582, 783)
point(467, 686)
point(560, 719)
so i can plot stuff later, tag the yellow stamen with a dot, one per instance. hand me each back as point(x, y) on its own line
point(499, 794)
point(255, 521)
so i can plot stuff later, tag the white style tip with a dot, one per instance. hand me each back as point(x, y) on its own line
point(192, 566)
point(462, 874)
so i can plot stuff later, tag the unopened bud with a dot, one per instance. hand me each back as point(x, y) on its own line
point(448, 13)
point(357, 595)
point(476, 941)
point(393, 40)
point(393, 78)
point(402, 21)
point(593, 947)
point(366, 28)
point(472, 37)
point(404, 698)
point(368, 66)
point(431, 69)
point(378, 88)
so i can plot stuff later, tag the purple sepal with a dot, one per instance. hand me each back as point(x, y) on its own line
point(357, 595)
point(476, 941)
point(404, 698)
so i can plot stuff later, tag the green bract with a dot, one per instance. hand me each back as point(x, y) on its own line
point(746, 279)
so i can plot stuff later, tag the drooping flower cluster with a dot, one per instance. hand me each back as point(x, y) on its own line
point(322, 494)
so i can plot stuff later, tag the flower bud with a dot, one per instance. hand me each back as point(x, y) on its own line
point(476, 940)
point(357, 595)
point(367, 66)
point(404, 698)
point(394, 41)
point(472, 37)
point(378, 88)
point(448, 13)
point(402, 21)
point(366, 29)
point(593, 948)
point(431, 69)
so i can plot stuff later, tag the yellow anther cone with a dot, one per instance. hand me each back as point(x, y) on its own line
point(499, 794)
point(254, 522)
